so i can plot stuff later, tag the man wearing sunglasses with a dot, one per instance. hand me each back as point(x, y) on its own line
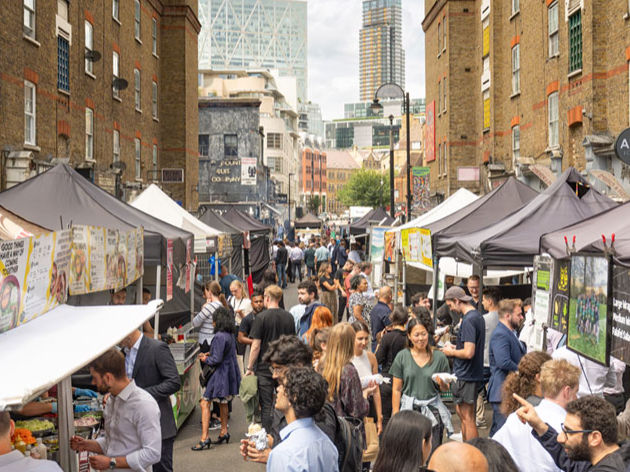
point(588, 437)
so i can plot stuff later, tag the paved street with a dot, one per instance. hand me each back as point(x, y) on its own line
point(222, 457)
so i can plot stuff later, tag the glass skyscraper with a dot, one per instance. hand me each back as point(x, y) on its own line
point(381, 55)
point(247, 34)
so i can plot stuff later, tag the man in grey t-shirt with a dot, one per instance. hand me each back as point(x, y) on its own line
point(490, 303)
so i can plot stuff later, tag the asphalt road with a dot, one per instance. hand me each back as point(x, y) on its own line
point(223, 457)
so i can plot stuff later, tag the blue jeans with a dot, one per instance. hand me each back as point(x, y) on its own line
point(296, 267)
point(310, 271)
point(282, 275)
point(498, 420)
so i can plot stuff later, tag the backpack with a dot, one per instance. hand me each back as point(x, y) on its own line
point(349, 444)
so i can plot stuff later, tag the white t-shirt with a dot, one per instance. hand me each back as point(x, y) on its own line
point(595, 373)
point(15, 461)
point(492, 320)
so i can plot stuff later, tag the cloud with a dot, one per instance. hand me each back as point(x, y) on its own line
point(333, 52)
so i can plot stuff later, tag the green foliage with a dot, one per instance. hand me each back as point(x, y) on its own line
point(364, 189)
point(314, 204)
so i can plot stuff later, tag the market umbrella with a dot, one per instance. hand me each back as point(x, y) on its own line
point(308, 221)
point(61, 196)
point(514, 240)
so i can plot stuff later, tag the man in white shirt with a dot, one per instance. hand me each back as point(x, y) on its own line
point(593, 377)
point(366, 270)
point(15, 461)
point(559, 382)
point(132, 438)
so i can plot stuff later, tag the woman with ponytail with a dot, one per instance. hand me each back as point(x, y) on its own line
point(215, 298)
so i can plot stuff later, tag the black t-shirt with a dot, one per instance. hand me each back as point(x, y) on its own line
point(329, 280)
point(269, 326)
point(341, 277)
point(282, 256)
point(472, 330)
point(247, 323)
point(392, 343)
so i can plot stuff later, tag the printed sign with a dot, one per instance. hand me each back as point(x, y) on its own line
point(421, 201)
point(390, 246)
point(559, 313)
point(169, 270)
point(248, 170)
point(543, 267)
point(416, 245)
point(377, 243)
point(620, 347)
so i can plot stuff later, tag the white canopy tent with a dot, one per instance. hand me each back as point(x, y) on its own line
point(159, 205)
point(48, 350)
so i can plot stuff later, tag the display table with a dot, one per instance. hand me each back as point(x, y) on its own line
point(188, 396)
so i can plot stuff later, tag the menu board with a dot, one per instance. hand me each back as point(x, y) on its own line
point(416, 245)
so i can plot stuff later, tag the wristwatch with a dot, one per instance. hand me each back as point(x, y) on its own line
point(112, 463)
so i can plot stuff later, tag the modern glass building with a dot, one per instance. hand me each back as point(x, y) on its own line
point(242, 34)
point(381, 54)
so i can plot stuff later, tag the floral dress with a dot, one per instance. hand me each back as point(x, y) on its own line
point(367, 303)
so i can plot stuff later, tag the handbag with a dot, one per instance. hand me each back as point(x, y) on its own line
point(206, 373)
point(371, 438)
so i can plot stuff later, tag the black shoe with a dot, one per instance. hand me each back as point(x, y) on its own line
point(203, 445)
point(225, 438)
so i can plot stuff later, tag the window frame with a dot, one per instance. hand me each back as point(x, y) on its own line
point(516, 7)
point(30, 12)
point(154, 158)
point(137, 84)
point(516, 69)
point(553, 124)
point(575, 35)
point(30, 138)
point(439, 38)
point(439, 94)
point(444, 107)
point(138, 158)
point(554, 36)
point(88, 38)
point(154, 33)
point(516, 143)
point(116, 146)
point(154, 99)
point(116, 10)
point(137, 21)
point(207, 146)
point(61, 68)
point(115, 73)
point(227, 147)
point(89, 134)
point(444, 34)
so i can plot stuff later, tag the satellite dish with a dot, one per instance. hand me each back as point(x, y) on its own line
point(93, 56)
point(118, 165)
point(120, 84)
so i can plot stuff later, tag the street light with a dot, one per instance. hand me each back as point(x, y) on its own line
point(392, 90)
point(289, 202)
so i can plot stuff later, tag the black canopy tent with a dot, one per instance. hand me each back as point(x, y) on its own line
point(61, 196)
point(258, 254)
point(215, 220)
point(514, 240)
point(588, 235)
point(378, 216)
point(308, 221)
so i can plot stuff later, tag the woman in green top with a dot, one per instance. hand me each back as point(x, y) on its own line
point(412, 370)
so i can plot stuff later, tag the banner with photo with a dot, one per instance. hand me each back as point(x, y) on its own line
point(390, 246)
point(377, 243)
point(421, 201)
point(416, 245)
point(33, 277)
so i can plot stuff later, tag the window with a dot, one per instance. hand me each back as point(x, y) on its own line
point(486, 110)
point(486, 37)
point(515, 6)
point(277, 165)
point(116, 9)
point(516, 69)
point(136, 75)
point(553, 29)
point(155, 100)
point(138, 158)
point(552, 105)
point(136, 20)
point(155, 158)
point(63, 64)
point(516, 143)
point(439, 103)
point(154, 30)
point(204, 145)
point(439, 159)
point(62, 9)
point(445, 159)
point(89, 134)
point(116, 69)
point(116, 145)
point(29, 18)
point(575, 41)
point(30, 114)
point(444, 34)
point(230, 145)
point(89, 45)
point(444, 88)
point(274, 141)
point(439, 38)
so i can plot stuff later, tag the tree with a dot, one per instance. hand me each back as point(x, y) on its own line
point(313, 204)
point(364, 189)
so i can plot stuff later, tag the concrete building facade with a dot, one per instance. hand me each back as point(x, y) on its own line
point(514, 88)
point(340, 167)
point(107, 86)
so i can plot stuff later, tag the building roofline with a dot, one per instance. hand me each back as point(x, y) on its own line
point(222, 102)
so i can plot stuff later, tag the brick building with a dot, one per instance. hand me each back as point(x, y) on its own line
point(313, 165)
point(64, 68)
point(340, 167)
point(521, 88)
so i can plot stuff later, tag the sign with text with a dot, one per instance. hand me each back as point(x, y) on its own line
point(248, 170)
point(620, 347)
point(559, 313)
point(416, 245)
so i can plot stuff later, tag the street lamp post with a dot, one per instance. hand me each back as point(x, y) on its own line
point(289, 203)
point(392, 204)
point(392, 90)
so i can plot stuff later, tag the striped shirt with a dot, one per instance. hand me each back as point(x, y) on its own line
point(203, 320)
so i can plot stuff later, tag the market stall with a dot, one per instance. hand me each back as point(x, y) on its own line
point(232, 256)
point(61, 342)
point(375, 217)
point(308, 221)
point(13, 227)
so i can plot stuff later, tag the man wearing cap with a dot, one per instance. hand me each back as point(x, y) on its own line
point(468, 362)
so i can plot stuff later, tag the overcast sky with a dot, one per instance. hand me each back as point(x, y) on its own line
point(333, 52)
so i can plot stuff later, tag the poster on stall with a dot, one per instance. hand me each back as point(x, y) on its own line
point(130, 247)
point(416, 245)
point(79, 272)
point(390, 247)
point(541, 291)
point(589, 299)
point(111, 257)
point(139, 252)
point(188, 264)
point(620, 344)
point(97, 259)
point(169, 270)
point(559, 313)
point(377, 244)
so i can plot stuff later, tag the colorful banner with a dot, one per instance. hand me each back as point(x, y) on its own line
point(377, 243)
point(390, 247)
point(169, 270)
point(416, 245)
point(559, 313)
point(421, 201)
point(429, 138)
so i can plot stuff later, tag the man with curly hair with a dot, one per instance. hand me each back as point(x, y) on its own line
point(304, 446)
